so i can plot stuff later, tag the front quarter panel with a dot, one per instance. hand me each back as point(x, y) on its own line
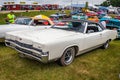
point(57, 48)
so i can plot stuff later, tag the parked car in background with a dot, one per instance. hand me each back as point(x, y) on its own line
point(91, 13)
point(74, 12)
point(93, 18)
point(54, 17)
point(113, 24)
point(101, 13)
point(79, 16)
point(26, 23)
point(59, 15)
point(61, 43)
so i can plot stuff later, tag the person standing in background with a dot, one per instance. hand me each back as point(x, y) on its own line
point(103, 23)
point(10, 17)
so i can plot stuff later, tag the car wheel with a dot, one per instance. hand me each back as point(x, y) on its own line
point(105, 45)
point(67, 57)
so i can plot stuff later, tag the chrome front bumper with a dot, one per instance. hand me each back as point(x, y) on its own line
point(28, 50)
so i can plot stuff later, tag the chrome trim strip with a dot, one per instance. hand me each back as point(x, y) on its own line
point(89, 49)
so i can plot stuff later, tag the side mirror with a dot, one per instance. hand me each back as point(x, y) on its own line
point(90, 31)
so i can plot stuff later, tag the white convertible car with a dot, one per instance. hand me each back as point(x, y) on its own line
point(61, 43)
point(26, 23)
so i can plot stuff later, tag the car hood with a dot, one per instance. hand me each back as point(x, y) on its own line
point(11, 25)
point(18, 27)
point(9, 28)
point(44, 36)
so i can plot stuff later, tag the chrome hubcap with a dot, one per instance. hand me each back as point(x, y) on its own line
point(69, 56)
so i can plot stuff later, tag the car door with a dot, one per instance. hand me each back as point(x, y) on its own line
point(93, 36)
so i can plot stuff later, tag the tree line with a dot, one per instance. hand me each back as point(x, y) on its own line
point(115, 3)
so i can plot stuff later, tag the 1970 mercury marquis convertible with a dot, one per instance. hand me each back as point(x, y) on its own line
point(61, 43)
point(26, 23)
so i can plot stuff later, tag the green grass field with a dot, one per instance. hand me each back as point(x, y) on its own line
point(28, 14)
point(95, 65)
point(98, 64)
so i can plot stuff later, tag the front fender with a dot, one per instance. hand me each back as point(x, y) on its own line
point(56, 50)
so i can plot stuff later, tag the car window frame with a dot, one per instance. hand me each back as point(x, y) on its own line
point(72, 21)
point(100, 26)
point(23, 18)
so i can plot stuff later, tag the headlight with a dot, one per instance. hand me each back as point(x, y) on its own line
point(40, 48)
point(7, 36)
point(37, 45)
point(10, 37)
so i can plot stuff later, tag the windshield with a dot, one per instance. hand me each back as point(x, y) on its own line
point(70, 26)
point(23, 21)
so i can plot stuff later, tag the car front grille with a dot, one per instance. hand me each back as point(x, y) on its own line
point(27, 51)
point(24, 45)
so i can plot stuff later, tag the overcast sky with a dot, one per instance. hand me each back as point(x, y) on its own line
point(67, 2)
point(62, 2)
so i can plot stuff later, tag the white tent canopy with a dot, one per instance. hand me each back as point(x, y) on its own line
point(93, 6)
point(0, 7)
